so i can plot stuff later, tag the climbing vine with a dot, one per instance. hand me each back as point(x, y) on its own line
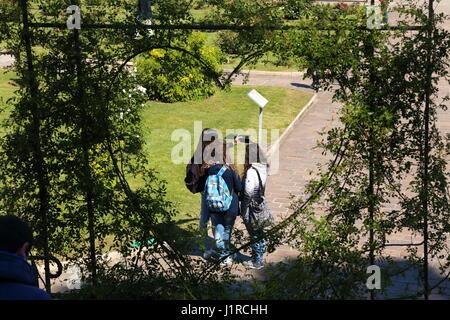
point(383, 86)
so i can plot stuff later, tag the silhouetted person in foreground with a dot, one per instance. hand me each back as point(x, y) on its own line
point(17, 277)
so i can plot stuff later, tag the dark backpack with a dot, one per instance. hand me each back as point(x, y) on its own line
point(192, 179)
point(259, 213)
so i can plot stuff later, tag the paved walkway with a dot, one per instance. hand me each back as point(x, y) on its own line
point(6, 60)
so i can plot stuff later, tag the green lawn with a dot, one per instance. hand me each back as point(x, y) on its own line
point(224, 110)
point(198, 14)
point(7, 86)
point(267, 63)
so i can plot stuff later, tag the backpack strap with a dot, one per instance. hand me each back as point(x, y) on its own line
point(261, 187)
point(221, 171)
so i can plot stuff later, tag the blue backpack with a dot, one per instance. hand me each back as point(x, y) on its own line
point(218, 196)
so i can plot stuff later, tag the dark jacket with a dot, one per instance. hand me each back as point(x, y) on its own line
point(234, 185)
point(193, 180)
point(17, 278)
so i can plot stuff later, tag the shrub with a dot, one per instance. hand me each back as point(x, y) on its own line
point(173, 76)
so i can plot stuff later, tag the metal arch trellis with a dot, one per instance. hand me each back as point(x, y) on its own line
point(32, 84)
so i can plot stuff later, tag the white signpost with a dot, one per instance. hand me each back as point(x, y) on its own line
point(261, 102)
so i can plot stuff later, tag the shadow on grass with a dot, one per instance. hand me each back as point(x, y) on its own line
point(187, 240)
point(193, 243)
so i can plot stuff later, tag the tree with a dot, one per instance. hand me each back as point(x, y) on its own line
point(172, 76)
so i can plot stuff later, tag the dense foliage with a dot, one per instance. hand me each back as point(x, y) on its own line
point(172, 76)
point(74, 140)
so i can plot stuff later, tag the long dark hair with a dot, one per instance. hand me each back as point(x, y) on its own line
point(207, 137)
point(253, 153)
point(216, 153)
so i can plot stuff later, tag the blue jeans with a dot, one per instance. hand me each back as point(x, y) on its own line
point(258, 248)
point(205, 216)
point(223, 226)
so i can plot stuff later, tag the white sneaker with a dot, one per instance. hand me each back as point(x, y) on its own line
point(227, 262)
point(253, 264)
point(149, 31)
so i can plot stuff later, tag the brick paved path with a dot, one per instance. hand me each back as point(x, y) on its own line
point(6, 60)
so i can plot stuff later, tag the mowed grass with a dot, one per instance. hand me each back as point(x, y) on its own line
point(230, 110)
point(268, 62)
point(224, 110)
point(7, 89)
point(7, 85)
